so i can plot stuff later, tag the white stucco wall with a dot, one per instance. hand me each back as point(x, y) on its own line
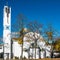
point(41, 43)
point(1, 49)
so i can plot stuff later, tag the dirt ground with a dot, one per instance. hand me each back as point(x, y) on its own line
point(50, 59)
point(44, 59)
point(47, 59)
point(38, 59)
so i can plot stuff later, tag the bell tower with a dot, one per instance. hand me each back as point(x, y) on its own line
point(7, 31)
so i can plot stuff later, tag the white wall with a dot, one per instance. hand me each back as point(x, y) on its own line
point(1, 49)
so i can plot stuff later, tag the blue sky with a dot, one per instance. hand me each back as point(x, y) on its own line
point(43, 11)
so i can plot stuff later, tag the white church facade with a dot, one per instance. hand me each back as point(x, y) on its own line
point(41, 52)
point(15, 48)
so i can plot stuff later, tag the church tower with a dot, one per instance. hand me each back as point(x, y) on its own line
point(7, 31)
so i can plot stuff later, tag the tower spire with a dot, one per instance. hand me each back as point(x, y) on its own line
point(7, 30)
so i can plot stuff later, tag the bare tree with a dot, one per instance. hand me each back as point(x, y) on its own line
point(35, 27)
point(19, 26)
point(50, 32)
